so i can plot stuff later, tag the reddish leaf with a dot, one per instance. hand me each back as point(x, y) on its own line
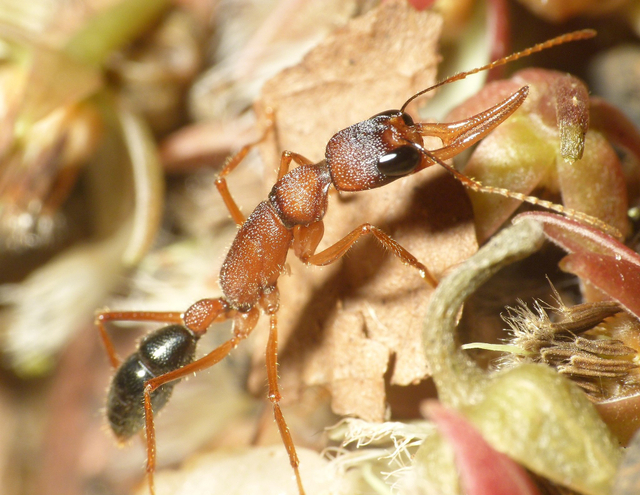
point(483, 470)
point(595, 257)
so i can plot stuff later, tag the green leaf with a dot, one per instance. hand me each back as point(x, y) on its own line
point(113, 28)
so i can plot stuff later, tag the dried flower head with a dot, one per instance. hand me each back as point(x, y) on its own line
point(584, 342)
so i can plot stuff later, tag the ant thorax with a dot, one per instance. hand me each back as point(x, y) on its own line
point(300, 197)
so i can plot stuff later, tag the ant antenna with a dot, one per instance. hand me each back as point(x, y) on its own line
point(565, 38)
point(475, 185)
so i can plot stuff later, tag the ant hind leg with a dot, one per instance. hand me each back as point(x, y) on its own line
point(105, 316)
point(285, 161)
point(275, 397)
point(243, 324)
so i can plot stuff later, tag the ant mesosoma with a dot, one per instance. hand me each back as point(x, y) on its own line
point(364, 156)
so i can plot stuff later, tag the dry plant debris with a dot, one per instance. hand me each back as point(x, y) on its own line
point(572, 344)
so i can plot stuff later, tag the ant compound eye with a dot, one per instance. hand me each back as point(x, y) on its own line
point(401, 161)
point(407, 119)
point(388, 113)
point(396, 113)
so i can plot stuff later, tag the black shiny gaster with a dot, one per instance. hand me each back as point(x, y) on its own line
point(164, 350)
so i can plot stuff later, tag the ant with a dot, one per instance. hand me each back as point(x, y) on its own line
point(364, 156)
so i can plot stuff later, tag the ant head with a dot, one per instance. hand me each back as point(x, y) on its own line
point(374, 152)
point(388, 146)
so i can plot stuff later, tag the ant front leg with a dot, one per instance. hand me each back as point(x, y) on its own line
point(285, 162)
point(232, 162)
point(306, 240)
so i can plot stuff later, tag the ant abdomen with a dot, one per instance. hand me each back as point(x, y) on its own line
point(164, 350)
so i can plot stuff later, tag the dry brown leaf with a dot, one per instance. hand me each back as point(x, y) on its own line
point(340, 325)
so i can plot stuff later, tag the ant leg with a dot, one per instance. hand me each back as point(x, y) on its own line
point(103, 317)
point(285, 161)
point(340, 248)
point(243, 324)
point(197, 318)
point(232, 162)
point(275, 397)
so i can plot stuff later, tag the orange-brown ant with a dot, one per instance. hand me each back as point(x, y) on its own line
point(364, 156)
